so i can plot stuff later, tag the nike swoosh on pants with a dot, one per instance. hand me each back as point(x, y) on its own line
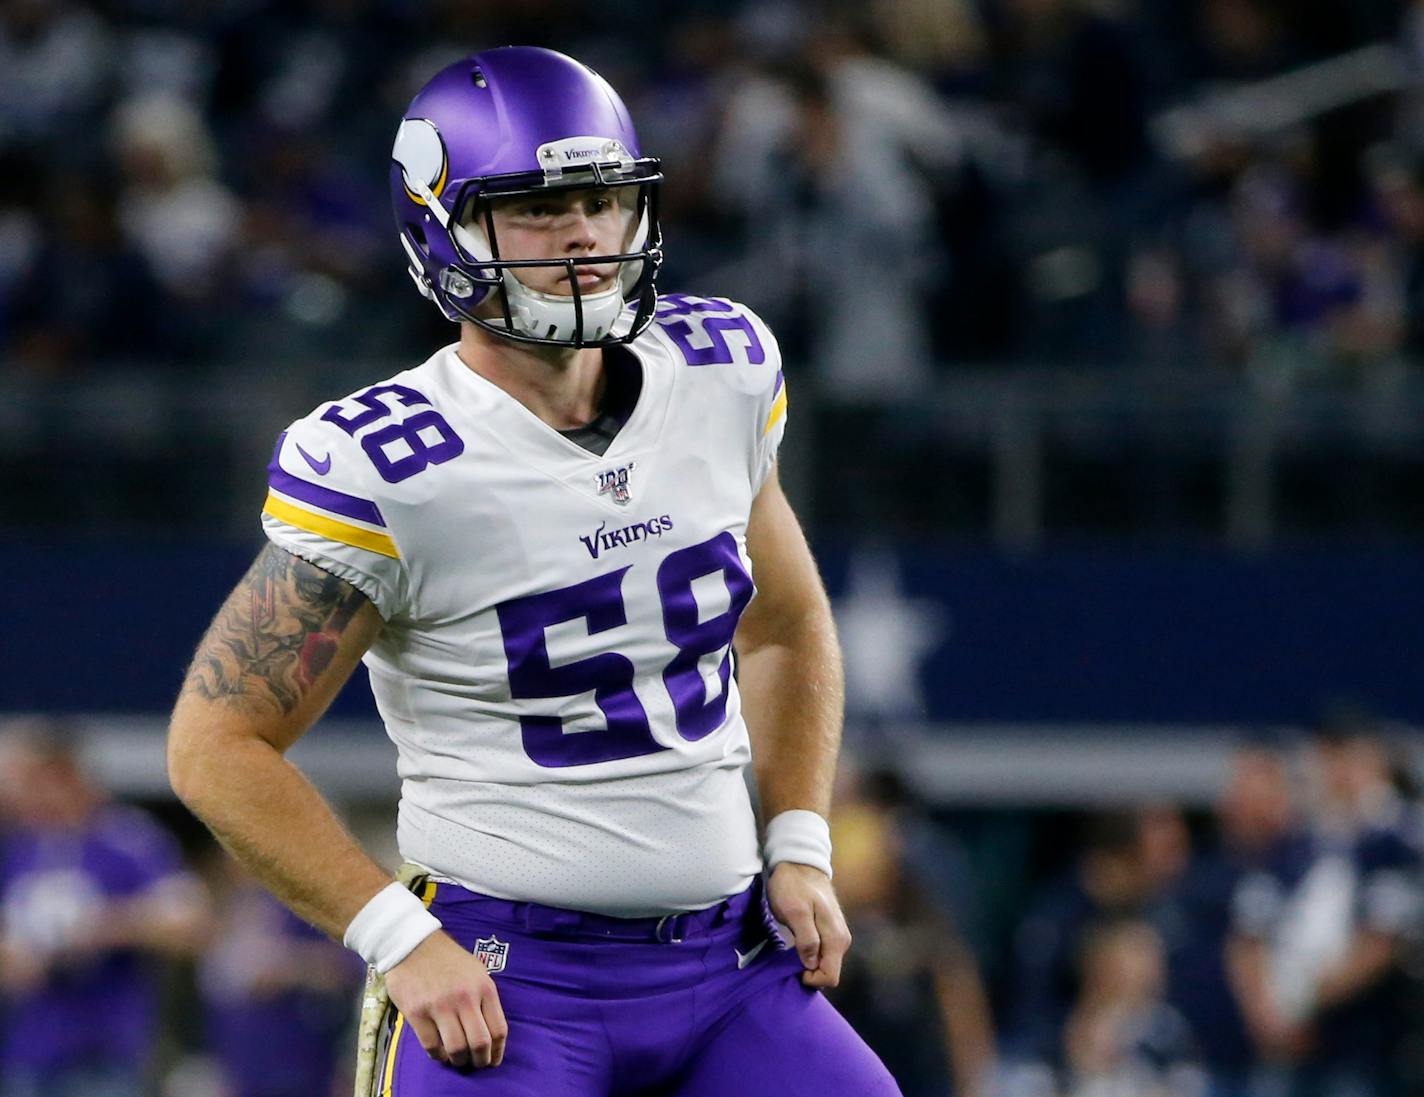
point(743, 959)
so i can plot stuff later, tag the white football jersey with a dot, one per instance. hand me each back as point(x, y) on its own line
point(555, 670)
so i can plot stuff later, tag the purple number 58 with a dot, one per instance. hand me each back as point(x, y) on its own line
point(610, 675)
point(681, 316)
point(401, 449)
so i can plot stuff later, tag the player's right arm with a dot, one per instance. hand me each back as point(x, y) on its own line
point(279, 650)
point(274, 657)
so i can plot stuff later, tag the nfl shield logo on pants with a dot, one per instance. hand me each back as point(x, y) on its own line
point(493, 952)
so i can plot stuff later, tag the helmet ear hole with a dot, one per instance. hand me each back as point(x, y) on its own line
point(417, 235)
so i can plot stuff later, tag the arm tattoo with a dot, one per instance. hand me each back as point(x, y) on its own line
point(275, 635)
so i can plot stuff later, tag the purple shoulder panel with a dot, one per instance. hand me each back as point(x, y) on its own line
point(338, 502)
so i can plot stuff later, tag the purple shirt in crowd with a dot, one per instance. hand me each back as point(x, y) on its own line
point(277, 1041)
point(93, 1008)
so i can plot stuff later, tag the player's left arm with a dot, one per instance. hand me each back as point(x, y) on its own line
point(789, 673)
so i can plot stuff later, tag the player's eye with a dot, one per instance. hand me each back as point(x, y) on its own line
point(596, 202)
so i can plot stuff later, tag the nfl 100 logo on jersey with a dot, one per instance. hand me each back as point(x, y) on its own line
point(614, 483)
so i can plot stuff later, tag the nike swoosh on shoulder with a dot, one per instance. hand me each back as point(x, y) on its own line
point(321, 467)
point(745, 958)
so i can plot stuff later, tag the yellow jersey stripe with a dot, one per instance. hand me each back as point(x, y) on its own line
point(344, 532)
point(391, 1055)
point(778, 411)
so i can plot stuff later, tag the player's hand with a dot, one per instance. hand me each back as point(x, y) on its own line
point(450, 1001)
point(803, 901)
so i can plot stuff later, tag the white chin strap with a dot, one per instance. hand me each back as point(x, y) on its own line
point(553, 315)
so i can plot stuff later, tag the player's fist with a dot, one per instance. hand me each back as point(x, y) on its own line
point(451, 1003)
point(802, 900)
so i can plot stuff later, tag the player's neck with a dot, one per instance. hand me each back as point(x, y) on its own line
point(561, 385)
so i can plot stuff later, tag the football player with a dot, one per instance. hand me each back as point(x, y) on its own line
point(545, 543)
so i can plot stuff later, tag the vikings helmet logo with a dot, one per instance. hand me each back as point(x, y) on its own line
point(420, 152)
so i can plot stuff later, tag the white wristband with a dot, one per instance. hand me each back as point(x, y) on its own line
point(387, 929)
point(800, 836)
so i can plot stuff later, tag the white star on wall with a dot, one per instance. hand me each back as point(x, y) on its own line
point(885, 638)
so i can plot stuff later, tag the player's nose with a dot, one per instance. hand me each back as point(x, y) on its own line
point(581, 243)
point(579, 233)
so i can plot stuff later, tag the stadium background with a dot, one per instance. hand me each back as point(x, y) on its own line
point(1103, 325)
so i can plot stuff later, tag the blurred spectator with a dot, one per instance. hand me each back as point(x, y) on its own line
point(54, 67)
point(935, 861)
point(1309, 291)
point(1077, 75)
point(172, 207)
point(280, 995)
point(1165, 846)
point(830, 163)
point(1122, 1039)
point(20, 238)
point(1074, 77)
point(1322, 947)
point(1398, 181)
point(943, 40)
point(91, 895)
point(1256, 831)
point(910, 986)
point(1117, 875)
point(111, 314)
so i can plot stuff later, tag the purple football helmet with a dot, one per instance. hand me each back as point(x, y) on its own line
point(516, 121)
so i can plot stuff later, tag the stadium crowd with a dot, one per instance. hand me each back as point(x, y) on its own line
point(99, 907)
point(1269, 948)
point(988, 180)
point(918, 195)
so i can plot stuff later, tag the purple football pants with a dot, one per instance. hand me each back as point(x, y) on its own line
point(706, 1004)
